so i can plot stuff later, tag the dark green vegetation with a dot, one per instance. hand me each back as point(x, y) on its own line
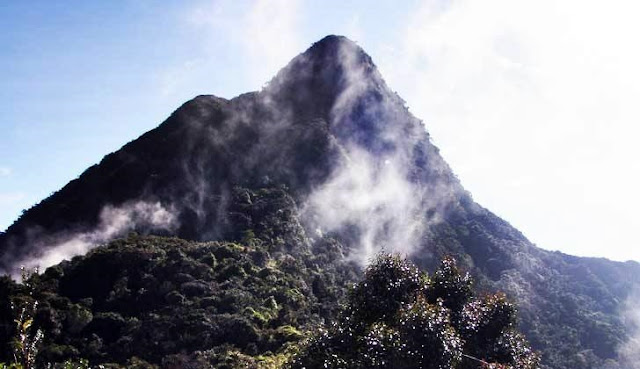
point(147, 302)
point(293, 137)
point(399, 318)
point(180, 304)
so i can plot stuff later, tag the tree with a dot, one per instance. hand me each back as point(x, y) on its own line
point(398, 317)
point(26, 340)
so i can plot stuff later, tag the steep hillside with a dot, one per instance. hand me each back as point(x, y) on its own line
point(175, 303)
point(359, 168)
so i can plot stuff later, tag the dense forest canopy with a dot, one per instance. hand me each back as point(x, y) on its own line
point(149, 302)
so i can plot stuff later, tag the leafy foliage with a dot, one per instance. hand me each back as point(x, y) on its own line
point(399, 318)
point(27, 340)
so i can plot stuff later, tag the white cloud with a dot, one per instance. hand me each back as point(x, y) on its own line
point(114, 222)
point(534, 104)
point(374, 198)
point(629, 351)
point(270, 36)
point(5, 172)
point(261, 35)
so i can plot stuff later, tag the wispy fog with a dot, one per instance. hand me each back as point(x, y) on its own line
point(114, 222)
point(629, 351)
point(371, 196)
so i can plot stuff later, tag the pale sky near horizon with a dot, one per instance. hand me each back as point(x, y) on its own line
point(535, 105)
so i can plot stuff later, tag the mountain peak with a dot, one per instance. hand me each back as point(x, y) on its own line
point(333, 43)
point(338, 52)
point(323, 72)
point(333, 39)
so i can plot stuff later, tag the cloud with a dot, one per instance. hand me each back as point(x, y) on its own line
point(534, 104)
point(254, 38)
point(114, 222)
point(270, 36)
point(373, 197)
point(629, 351)
point(5, 172)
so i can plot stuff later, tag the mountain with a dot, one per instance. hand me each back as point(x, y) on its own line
point(361, 174)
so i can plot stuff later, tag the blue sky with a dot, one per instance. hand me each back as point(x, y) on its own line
point(534, 104)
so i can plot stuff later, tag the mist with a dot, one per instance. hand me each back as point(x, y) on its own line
point(114, 222)
point(373, 196)
point(629, 351)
